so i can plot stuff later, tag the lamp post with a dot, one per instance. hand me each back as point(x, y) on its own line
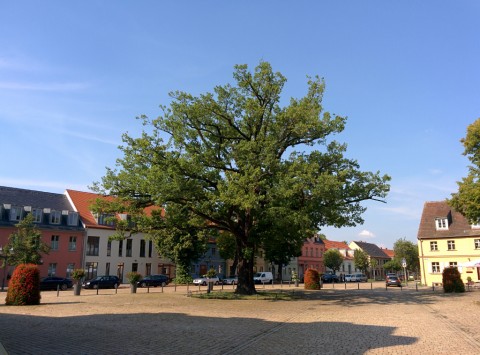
point(4, 255)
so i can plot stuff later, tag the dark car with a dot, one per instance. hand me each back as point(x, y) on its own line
point(393, 281)
point(330, 278)
point(102, 282)
point(55, 283)
point(153, 280)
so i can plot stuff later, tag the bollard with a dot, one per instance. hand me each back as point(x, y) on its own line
point(97, 289)
point(116, 289)
point(358, 285)
point(345, 285)
point(371, 285)
point(162, 287)
point(58, 290)
point(416, 286)
point(148, 288)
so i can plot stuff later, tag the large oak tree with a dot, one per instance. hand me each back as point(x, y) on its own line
point(237, 161)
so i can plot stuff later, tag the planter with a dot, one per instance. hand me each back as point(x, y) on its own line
point(77, 288)
point(133, 288)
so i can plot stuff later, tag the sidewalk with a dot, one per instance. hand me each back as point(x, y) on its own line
point(329, 321)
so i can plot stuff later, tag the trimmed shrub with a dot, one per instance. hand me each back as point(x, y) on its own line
point(311, 280)
point(452, 280)
point(24, 287)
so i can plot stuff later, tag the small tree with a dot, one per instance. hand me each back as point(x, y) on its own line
point(311, 280)
point(452, 280)
point(26, 244)
point(360, 258)
point(24, 287)
point(333, 259)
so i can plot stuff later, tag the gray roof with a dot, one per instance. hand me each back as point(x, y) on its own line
point(372, 250)
point(36, 199)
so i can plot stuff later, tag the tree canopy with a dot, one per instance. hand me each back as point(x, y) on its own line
point(360, 259)
point(405, 249)
point(235, 161)
point(467, 199)
point(333, 259)
point(26, 244)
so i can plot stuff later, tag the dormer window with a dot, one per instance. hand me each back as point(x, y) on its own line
point(105, 219)
point(72, 218)
point(55, 217)
point(441, 223)
point(16, 213)
point(37, 214)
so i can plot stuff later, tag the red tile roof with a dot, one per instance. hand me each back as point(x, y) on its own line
point(330, 244)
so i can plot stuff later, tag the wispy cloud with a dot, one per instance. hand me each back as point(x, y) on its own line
point(43, 86)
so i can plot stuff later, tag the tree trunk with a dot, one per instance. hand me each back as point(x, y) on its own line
point(245, 252)
point(280, 273)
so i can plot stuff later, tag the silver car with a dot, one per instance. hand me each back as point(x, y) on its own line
point(358, 278)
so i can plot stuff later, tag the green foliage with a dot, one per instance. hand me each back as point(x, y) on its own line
point(133, 277)
point(26, 244)
point(311, 279)
point(360, 259)
point(406, 249)
point(24, 287)
point(452, 280)
point(234, 160)
point(466, 200)
point(211, 273)
point(393, 265)
point(333, 259)
point(78, 274)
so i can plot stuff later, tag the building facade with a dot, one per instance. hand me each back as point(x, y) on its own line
point(104, 256)
point(445, 239)
point(56, 220)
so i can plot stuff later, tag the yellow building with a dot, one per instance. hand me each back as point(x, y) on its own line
point(446, 238)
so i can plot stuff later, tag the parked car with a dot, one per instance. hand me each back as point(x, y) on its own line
point(102, 282)
point(153, 280)
point(393, 281)
point(265, 277)
point(330, 278)
point(53, 283)
point(232, 280)
point(204, 280)
point(348, 278)
point(358, 278)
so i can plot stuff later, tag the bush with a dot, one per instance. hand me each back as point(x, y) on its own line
point(78, 274)
point(133, 277)
point(24, 287)
point(311, 280)
point(452, 280)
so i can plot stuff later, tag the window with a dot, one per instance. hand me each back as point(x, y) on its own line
point(150, 248)
point(453, 264)
point(441, 223)
point(72, 218)
point(52, 269)
point(435, 267)
point(72, 244)
point(55, 217)
point(120, 248)
point(70, 268)
point(477, 243)
point(214, 251)
point(16, 213)
point(92, 246)
point(107, 269)
point(91, 270)
point(433, 246)
point(54, 243)
point(450, 244)
point(134, 267)
point(105, 219)
point(109, 248)
point(129, 247)
point(37, 214)
point(148, 269)
point(142, 248)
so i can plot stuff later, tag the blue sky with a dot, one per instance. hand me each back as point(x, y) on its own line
point(74, 75)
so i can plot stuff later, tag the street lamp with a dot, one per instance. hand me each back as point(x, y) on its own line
point(4, 255)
